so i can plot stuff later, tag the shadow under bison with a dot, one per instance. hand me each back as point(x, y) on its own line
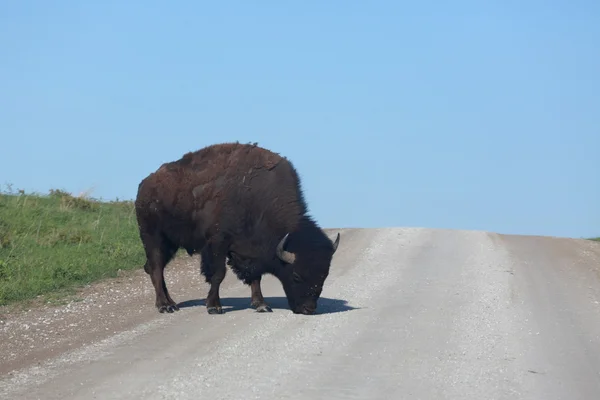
point(325, 305)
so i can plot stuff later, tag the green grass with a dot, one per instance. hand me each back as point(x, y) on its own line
point(596, 239)
point(52, 244)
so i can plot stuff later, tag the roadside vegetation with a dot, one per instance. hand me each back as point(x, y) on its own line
point(51, 244)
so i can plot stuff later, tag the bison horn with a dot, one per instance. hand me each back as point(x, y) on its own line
point(284, 255)
point(336, 243)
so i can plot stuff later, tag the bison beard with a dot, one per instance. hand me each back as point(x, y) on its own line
point(240, 203)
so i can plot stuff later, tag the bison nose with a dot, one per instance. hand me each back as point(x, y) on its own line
point(304, 310)
point(308, 309)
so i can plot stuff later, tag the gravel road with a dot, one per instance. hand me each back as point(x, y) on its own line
point(405, 314)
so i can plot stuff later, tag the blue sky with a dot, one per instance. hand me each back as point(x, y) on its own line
point(466, 115)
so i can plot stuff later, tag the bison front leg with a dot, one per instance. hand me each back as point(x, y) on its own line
point(213, 268)
point(258, 301)
point(158, 255)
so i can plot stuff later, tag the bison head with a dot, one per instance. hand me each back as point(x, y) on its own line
point(307, 270)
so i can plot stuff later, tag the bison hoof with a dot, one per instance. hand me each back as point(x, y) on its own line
point(263, 308)
point(260, 306)
point(214, 310)
point(168, 308)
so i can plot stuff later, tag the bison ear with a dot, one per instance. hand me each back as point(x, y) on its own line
point(336, 243)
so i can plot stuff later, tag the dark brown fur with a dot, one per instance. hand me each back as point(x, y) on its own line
point(235, 201)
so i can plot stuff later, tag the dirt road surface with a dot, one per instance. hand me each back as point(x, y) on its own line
point(405, 314)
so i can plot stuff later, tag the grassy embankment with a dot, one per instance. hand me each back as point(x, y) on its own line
point(51, 244)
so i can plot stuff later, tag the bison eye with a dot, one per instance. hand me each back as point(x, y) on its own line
point(297, 278)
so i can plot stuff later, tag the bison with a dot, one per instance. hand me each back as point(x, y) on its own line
point(236, 202)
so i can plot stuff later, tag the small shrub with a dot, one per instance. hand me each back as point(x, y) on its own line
point(68, 272)
point(6, 239)
point(68, 201)
point(3, 270)
point(79, 203)
point(59, 193)
point(66, 237)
